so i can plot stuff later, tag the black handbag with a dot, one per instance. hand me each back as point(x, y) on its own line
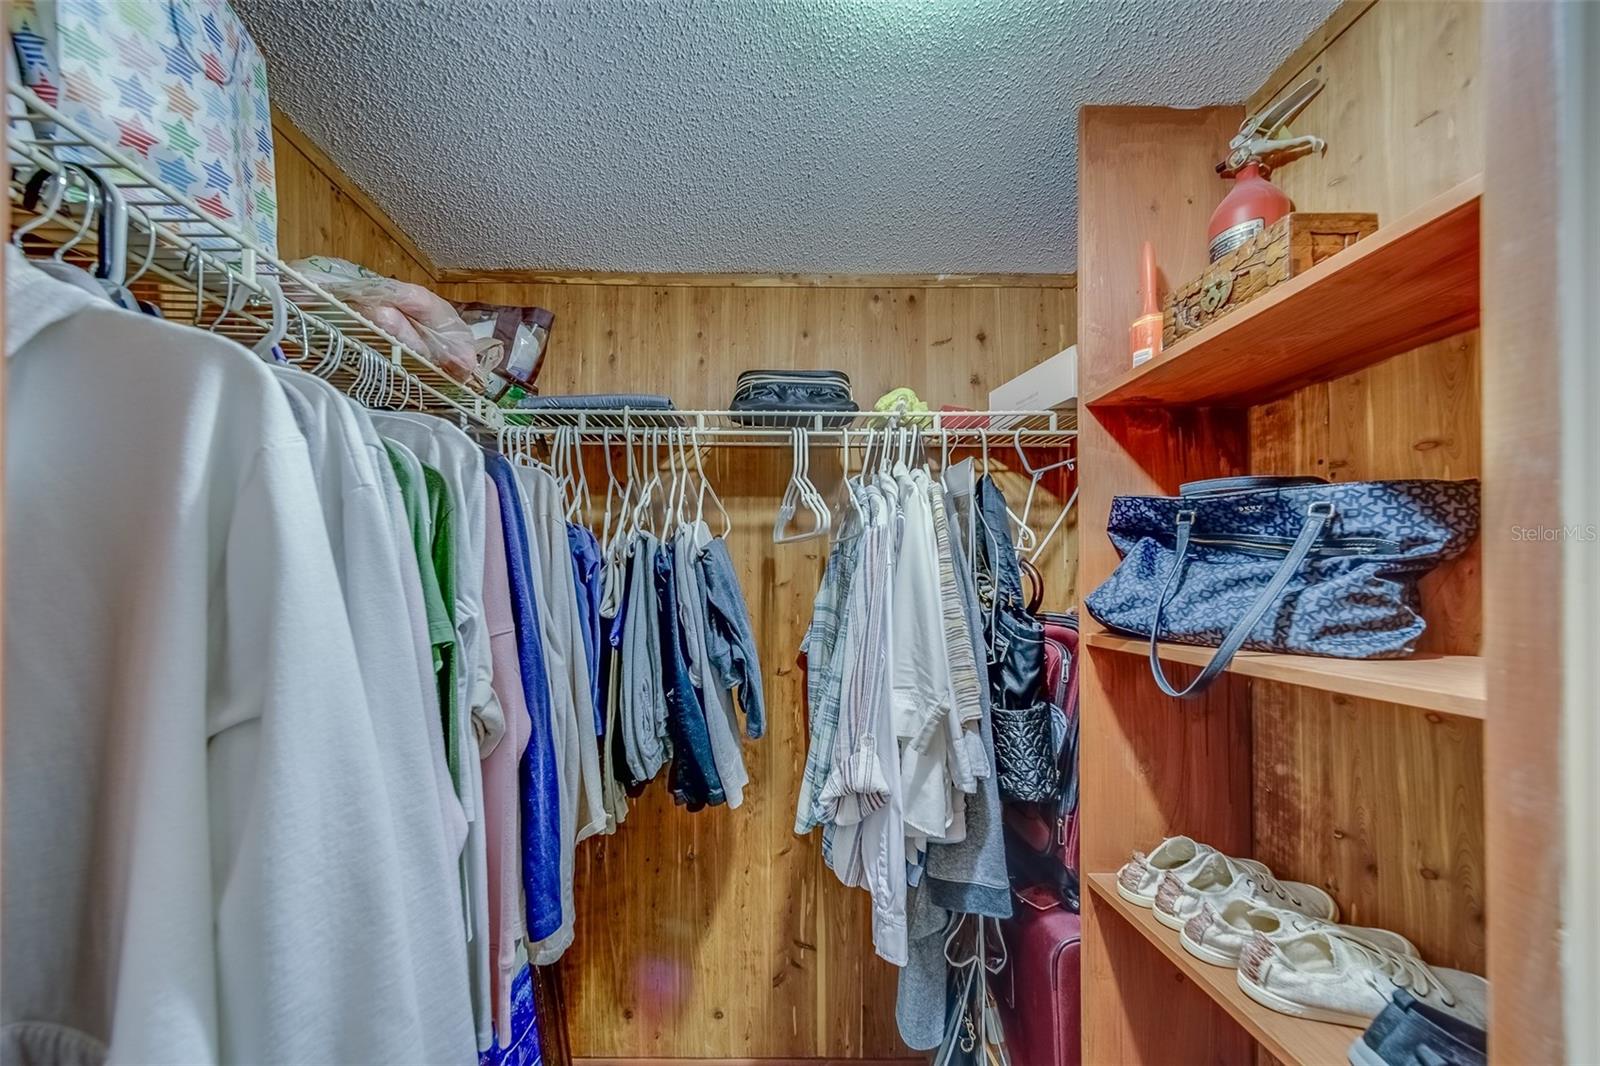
point(778, 398)
point(1024, 755)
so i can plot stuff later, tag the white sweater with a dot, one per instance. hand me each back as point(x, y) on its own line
point(195, 867)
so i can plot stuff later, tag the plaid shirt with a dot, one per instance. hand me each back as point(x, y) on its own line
point(825, 675)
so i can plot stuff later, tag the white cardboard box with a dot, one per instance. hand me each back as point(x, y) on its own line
point(1050, 386)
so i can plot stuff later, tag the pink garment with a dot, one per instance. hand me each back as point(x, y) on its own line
point(503, 833)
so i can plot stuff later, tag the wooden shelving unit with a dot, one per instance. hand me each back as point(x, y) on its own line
point(1449, 684)
point(1365, 367)
point(1413, 282)
point(1293, 1041)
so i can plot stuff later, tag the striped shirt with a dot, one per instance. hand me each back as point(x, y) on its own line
point(968, 761)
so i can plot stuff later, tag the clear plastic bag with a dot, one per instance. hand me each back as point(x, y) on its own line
point(410, 313)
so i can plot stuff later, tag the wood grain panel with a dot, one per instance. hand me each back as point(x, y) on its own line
point(758, 281)
point(1383, 804)
point(1291, 71)
point(1527, 419)
point(1150, 766)
point(721, 934)
point(321, 213)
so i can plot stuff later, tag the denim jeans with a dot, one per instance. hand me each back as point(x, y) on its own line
point(693, 777)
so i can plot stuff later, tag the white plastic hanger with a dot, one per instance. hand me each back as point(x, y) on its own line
point(611, 494)
point(644, 516)
point(669, 509)
point(581, 500)
point(91, 203)
point(1035, 545)
point(149, 255)
point(688, 482)
point(1066, 508)
point(855, 519)
point(57, 185)
point(280, 318)
point(801, 491)
point(705, 489)
point(1025, 537)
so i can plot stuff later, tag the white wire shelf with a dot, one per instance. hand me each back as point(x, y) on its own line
point(202, 270)
point(1035, 429)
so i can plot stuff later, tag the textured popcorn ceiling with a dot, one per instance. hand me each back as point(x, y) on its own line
point(864, 136)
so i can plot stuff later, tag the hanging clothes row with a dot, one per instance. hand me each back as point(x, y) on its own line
point(669, 617)
point(310, 705)
point(916, 653)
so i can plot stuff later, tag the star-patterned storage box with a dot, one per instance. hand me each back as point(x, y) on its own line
point(177, 85)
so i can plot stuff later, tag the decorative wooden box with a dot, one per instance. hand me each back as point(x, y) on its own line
point(1290, 246)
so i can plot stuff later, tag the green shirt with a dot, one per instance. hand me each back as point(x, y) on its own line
point(430, 514)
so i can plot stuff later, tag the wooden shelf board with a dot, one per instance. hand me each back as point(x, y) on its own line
point(1450, 684)
point(1291, 1040)
point(1413, 282)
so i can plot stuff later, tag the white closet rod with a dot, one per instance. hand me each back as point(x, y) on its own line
point(1030, 429)
point(218, 266)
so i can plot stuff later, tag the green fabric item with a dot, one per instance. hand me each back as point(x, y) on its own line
point(419, 508)
point(442, 510)
point(430, 514)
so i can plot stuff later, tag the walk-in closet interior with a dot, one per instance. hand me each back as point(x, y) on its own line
point(801, 531)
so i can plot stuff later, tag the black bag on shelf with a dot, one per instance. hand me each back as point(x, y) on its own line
point(771, 398)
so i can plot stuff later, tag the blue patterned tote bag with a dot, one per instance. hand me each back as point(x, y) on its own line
point(1281, 564)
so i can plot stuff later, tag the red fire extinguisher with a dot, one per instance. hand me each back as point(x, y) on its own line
point(1254, 203)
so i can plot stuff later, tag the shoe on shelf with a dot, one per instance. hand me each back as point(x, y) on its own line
point(1219, 880)
point(1408, 1031)
point(1140, 876)
point(1329, 977)
point(1217, 935)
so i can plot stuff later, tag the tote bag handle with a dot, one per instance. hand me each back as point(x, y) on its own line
point(1317, 518)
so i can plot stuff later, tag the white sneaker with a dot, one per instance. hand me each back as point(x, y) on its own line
point(1140, 876)
point(1329, 977)
point(1218, 935)
point(1219, 880)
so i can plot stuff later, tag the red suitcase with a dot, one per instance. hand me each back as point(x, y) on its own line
point(1039, 1004)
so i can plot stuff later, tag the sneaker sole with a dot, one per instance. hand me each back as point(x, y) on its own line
point(1273, 1001)
point(1207, 954)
